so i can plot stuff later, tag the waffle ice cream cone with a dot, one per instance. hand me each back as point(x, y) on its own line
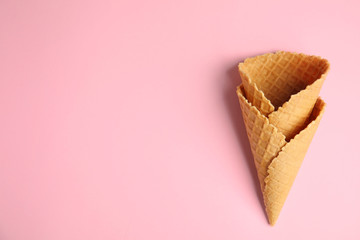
point(281, 110)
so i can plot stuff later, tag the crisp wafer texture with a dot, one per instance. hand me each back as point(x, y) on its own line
point(283, 169)
point(265, 140)
point(281, 110)
point(284, 86)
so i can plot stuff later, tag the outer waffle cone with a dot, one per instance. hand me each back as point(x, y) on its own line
point(284, 87)
point(277, 161)
point(283, 169)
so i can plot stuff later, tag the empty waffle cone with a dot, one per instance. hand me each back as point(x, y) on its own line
point(284, 86)
point(280, 126)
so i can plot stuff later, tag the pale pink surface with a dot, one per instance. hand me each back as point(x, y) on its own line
point(119, 120)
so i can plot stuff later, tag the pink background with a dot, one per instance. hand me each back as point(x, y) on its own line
point(119, 120)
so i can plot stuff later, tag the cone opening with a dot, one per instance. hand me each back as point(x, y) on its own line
point(282, 74)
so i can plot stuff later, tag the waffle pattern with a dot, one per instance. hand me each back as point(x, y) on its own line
point(256, 97)
point(280, 126)
point(284, 86)
point(283, 169)
point(266, 141)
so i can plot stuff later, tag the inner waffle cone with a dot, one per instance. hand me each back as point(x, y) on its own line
point(281, 110)
point(284, 87)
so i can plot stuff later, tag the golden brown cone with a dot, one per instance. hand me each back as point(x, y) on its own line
point(284, 87)
point(277, 162)
point(283, 169)
point(281, 111)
